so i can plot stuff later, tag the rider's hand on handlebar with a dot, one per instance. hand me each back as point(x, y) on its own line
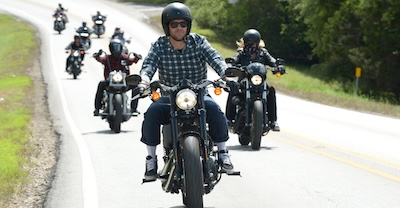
point(96, 55)
point(138, 56)
point(142, 86)
point(281, 69)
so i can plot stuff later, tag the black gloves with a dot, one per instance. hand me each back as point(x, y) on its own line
point(138, 56)
point(96, 55)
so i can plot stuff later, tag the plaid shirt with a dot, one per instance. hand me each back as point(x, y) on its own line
point(174, 65)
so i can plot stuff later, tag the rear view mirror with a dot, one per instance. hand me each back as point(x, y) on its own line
point(133, 79)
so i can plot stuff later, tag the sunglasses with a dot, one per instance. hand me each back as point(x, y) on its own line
point(175, 24)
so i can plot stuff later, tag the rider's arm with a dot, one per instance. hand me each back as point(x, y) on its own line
point(236, 59)
point(101, 59)
point(267, 58)
point(212, 56)
point(68, 47)
point(150, 63)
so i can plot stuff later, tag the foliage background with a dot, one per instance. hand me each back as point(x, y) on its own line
point(334, 37)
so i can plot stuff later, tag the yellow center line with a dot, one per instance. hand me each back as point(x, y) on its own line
point(346, 161)
point(391, 163)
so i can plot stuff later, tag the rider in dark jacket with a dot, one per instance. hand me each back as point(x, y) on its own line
point(251, 48)
point(99, 16)
point(61, 10)
point(114, 60)
point(74, 45)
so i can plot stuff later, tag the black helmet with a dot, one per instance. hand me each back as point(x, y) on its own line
point(76, 36)
point(115, 47)
point(174, 11)
point(84, 24)
point(251, 36)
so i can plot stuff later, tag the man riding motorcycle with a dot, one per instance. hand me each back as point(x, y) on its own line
point(98, 16)
point(177, 55)
point(115, 62)
point(61, 10)
point(74, 45)
point(85, 29)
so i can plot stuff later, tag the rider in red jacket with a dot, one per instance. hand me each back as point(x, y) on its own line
point(114, 61)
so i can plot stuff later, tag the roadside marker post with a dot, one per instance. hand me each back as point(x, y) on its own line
point(358, 75)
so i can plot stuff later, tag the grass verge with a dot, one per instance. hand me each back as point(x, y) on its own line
point(17, 43)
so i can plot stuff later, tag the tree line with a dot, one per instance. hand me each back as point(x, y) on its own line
point(334, 37)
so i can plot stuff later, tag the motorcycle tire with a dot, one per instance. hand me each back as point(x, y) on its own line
point(118, 113)
point(192, 193)
point(256, 129)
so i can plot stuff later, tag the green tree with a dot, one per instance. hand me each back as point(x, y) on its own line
point(349, 33)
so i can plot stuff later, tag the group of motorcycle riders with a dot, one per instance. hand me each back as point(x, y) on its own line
point(177, 55)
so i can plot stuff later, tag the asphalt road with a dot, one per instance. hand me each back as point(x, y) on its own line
point(323, 157)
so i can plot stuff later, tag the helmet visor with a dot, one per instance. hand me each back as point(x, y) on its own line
point(115, 48)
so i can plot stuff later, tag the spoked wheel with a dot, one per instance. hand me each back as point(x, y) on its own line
point(192, 192)
point(256, 129)
point(118, 113)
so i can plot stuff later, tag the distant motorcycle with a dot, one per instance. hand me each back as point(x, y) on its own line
point(59, 23)
point(190, 164)
point(251, 121)
point(75, 62)
point(98, 27)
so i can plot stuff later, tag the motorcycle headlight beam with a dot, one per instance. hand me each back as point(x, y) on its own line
point(117, 78)
point(256, 79)
point(76, 53)
point(186, 99)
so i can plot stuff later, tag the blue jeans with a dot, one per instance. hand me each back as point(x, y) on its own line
point(158, 114)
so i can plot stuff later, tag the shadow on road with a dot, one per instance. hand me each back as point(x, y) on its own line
point(248, 148)
point(106, 132)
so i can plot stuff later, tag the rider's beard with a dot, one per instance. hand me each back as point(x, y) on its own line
point(178, 39)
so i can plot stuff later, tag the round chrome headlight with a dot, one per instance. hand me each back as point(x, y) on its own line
point(117, 78)
point(256, 79)
point(186, 99)
point(76, 53)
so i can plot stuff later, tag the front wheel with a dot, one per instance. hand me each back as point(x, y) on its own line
point(256, 129)
point(118, 113)
point(192, 193)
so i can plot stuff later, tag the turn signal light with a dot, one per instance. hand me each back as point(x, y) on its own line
point(217, 91)
point(155, 95)
point(278, 74)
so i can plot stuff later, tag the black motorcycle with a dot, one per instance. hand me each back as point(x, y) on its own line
point(251, 122)
point(59, 23)
point(98, 27)
point(190, 163)
point(75, 62)
point(115, 100)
